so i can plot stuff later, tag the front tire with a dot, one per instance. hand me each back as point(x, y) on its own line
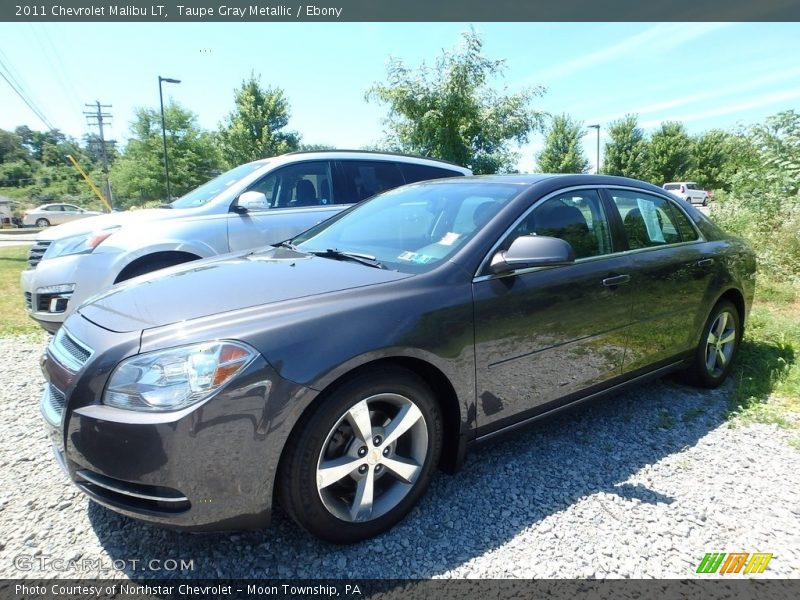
point(42, 223)
point(719, 343)
point(363, 458)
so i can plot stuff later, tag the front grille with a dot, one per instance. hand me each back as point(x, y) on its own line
point(76, 350)
point(68, 351)
point(37, 251)
point(28, 301)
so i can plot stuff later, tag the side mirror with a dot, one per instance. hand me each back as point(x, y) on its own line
point(248, 201)
point(533, 251)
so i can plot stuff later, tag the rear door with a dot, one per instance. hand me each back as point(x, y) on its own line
point(669, 276)
point(543, 334)
point(296, 197)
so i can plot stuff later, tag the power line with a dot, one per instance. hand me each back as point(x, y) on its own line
point(97, 118)
point(25, 99)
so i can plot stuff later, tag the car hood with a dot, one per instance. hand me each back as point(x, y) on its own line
point(107, 221)
point(223, 284)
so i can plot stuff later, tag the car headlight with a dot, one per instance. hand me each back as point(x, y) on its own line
point(78, 244)
point(176, 378)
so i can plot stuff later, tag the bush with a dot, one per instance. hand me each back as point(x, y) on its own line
point(770, 222)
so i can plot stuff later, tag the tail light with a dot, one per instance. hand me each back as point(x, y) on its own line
point(683, 189)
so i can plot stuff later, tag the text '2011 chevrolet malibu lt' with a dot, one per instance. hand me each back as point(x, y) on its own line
point(336, 371)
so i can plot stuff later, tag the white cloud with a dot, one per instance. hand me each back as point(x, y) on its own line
point(660, 38)
point(756, 102)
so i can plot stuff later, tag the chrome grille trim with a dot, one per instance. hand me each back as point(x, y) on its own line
point(68, 351)
point(117, 488)
point(37, 252)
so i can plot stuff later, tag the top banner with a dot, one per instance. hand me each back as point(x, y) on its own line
point(192, 11)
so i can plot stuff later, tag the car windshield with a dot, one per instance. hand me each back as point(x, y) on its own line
point(414, 228)
point(210, 190)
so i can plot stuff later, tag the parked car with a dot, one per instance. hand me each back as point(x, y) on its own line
point(338, 370)
point(688, 191)
point(258, 203)
point(55, 214)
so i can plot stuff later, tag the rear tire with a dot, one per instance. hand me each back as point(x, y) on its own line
point(42, 223)
point(360, 462)
point(718, 345)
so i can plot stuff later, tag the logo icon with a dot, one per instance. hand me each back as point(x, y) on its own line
point(734, 562)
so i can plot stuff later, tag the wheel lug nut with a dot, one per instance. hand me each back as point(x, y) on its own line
point(362, 451)
point(377, 440)
point(362, 469)
point(386, 452)
point(378, 468)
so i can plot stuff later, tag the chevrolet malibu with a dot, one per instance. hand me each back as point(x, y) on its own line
point(337, 371)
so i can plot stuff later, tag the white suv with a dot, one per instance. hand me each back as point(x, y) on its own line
point(688, 191)
point(255, 204)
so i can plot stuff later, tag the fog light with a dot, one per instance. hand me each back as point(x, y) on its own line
point(58, 304)
point(64, 288)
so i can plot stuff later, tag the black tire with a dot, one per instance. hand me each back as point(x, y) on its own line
point(699, 372)
point(148, 266)
point(705, 201)
point(42, 223)
point(329, 434)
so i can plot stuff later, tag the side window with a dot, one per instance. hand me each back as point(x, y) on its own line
point(576, 217)
point(414, 172)
point(688, 233)
point(53, 208)
point(292, 186)
point(367, 178)
point(648, 220)
point(70, 208)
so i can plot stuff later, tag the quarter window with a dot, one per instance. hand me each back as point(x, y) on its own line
point(688, 233)
point(648, 220)
point(414, 172)
point(575, 217)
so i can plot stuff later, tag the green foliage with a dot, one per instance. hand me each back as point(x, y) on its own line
point(254, 129)
point(712, 159)
point(449, 111)
point(563, 150)
point(194, 157)
point(627, 153)
point(670, 154)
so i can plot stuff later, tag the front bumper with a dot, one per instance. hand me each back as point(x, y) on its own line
point(209, 467)
point(90, 273)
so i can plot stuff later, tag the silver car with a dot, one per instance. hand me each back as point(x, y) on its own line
point(252, 205)
point(55, 214)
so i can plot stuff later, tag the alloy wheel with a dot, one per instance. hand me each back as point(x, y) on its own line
point(720, 344)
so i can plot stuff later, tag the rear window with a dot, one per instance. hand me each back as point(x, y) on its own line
point(672, 186)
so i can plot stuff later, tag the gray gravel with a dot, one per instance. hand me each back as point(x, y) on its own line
point(641, 485)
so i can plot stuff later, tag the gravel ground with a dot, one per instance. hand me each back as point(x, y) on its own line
point(641, 485)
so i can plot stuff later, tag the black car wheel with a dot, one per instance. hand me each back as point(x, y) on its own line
point(718, 345)
point(363, 458)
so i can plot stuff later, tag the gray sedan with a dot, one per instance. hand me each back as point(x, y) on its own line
point(335, 372)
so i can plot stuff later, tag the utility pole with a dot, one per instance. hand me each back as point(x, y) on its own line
point(96, 118)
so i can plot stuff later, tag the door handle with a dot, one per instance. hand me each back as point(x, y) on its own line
point(618, 280)
point(706, 262)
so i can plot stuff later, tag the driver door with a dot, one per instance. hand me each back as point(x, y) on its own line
point(542, 334)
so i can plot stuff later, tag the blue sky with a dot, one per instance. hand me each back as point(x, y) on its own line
point(705, 74)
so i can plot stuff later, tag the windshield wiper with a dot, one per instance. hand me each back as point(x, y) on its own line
point(364, 259)
point(285, 244)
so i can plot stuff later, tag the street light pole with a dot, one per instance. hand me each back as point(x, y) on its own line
point(597, 127)
point(164, 130)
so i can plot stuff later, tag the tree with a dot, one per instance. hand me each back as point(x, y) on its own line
point(714, 157)
point(563, 150)
point(626, 154)
point(670, 155)
point(255, 128)
point(450, 112)
point(11, 148)
point(138, 174)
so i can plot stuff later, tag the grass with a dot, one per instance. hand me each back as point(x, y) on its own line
point(768, 366)
point(13, 318)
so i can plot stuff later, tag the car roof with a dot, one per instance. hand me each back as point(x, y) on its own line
point(557, 179)
point(365, 154)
